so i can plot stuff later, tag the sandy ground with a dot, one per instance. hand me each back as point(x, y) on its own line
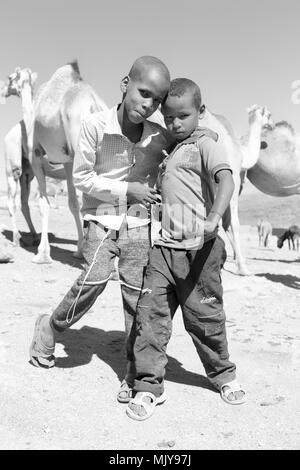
point(73, 406)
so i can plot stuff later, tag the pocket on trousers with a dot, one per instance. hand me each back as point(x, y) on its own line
point(215, 325)
point(212, 329)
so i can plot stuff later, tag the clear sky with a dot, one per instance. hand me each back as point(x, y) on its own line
point(240, 52)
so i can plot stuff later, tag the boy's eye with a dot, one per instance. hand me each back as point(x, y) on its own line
point(145, 94)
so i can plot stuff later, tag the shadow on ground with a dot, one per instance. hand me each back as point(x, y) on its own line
point(288, 261)
point(62, 255)
point(286, 279)
point(81, 345)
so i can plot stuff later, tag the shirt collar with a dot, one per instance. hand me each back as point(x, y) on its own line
point(113, 127)
point(112, 123)
point(200, 132)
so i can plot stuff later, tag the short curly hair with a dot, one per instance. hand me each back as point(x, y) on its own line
point(179, 86)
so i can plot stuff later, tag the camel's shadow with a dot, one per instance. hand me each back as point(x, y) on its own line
point(81, 345)
point(58, 254)
point(276, 260)
point(285, 279)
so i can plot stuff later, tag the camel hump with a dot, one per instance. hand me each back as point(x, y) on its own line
point(51, 94)
point(226, 124)
point(82, 96)
point(75, 67)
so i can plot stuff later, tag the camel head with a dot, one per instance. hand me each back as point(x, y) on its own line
point(261, 115)
point(282, 136)
point(18, 80)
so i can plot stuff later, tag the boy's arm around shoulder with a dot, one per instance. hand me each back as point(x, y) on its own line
point(84, 175)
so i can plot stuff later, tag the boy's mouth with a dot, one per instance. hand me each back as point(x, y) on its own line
point(143, 116)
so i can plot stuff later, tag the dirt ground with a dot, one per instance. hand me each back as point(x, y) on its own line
point(73, 406)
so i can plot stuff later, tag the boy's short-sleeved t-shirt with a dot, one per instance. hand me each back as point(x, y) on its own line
point(187, 180)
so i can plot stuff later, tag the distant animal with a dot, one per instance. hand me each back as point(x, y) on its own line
point(292, 235)
point(264, 229)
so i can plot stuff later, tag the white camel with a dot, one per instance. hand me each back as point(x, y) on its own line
point(18, 168)
point(264, 229)
point(52, 123)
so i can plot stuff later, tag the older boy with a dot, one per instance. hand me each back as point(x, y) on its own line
point(115, 166)
point(186, 260)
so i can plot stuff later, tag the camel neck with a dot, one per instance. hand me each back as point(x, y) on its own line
point(27, 107)
point(254, 135)
point(253, 145)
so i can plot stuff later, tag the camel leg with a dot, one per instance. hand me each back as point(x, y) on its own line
point(266, 240)
point(43, 254)
point(13, 161)
point(25, 191)
point(12, 192)
point(74, 207)
point(233, 234)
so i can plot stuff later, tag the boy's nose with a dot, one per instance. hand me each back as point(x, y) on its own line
point(147, 104)
point(176, 124)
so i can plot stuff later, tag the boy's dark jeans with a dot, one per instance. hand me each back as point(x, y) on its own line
point(192, 280)
point(132, 247)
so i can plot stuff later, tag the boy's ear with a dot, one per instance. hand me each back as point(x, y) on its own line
point(124, 84)
point(202, 111)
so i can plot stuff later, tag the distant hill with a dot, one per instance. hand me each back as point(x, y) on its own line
point(280, 211)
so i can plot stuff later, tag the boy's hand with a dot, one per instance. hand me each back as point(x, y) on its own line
point(209, 227)
point(211, 223)
point(139, 192)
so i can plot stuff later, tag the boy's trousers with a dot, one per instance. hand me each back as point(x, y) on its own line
point(132, 248)
point(192, 280)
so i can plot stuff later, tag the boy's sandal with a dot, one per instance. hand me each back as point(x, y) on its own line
point(41, 355)
point(125, 392)
point(148, 407)
point(233, 386)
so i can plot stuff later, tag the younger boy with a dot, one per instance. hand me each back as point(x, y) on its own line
point(115, 166)
point(186, 260)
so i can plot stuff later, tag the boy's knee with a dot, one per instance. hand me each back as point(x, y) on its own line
point(58, 325)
